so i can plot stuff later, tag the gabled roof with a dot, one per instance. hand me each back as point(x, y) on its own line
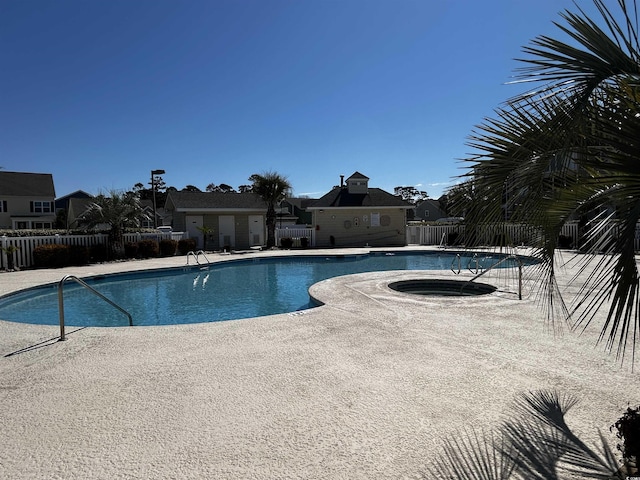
point(299, 202)
point(376, 197)
point(80, 204)
point(214, 201)
point(357, 175)
point(76, 194)
point(22, 184)
point(429, 203)
point(77, 206)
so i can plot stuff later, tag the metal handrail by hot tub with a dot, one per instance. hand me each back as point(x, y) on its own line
point(509, 257)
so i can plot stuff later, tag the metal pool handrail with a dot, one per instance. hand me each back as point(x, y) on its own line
point(509, 257)
point(459, 259)
point(477, 260)
point(443, 242)
point(92, 290)
point(196, 256)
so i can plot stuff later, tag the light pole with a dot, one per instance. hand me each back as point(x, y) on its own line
point(153, 191)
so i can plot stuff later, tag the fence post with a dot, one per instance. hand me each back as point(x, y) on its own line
point(3, 256)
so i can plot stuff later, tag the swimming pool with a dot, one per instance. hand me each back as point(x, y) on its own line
point(224, 291)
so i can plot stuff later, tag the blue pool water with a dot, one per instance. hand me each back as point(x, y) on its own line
point(224, 291)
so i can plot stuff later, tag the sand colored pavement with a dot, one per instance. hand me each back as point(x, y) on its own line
point(369, 385)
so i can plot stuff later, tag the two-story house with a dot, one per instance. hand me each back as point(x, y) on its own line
point(429, 210)
point(27, 200)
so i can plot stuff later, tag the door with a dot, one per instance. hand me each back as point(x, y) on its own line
point(194, 222)
point(256, 230)
point(227, 229)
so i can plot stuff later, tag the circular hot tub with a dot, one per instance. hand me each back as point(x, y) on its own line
point(439, 287)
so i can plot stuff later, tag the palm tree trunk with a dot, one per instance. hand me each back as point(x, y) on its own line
point(271, 227)
point(116, 243)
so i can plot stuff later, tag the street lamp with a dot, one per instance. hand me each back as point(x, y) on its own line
point(153, 191)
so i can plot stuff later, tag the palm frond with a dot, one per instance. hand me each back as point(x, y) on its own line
point(570, 149)
point(474, 455)
point(533, 442)
point(547, 445)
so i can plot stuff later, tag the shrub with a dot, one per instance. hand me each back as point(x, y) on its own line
point(565, 241)
point(168, 248)
point(148, 249)
point(98, 253)
point(186, 245)
point(131, 249)
point(452, 238)
point(501, 240)
point(286, 243)
point(51, 256)
point(628, 427)
point(304, 242)
point(78, 255)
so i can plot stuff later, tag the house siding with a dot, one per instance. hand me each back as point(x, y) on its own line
point(429, 210)
point(352, 227)
point(20, 209)
point(19, 192)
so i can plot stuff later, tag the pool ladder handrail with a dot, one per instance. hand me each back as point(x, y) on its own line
point(459, 259)
point(509, 257)
point(476, 259)
point(196, 256)
point(443, 241)
point(92, 290)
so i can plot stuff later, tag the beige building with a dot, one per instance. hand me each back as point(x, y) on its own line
point(27, 201)
point(232, 221)
point(354, 214)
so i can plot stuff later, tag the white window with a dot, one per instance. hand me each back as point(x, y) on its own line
point(41, 225)
point(41, 207)
point(375, 219)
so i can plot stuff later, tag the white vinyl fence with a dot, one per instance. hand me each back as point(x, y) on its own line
point(443, 235)
point(296, 234)
point(23, 255)
point(507, 234)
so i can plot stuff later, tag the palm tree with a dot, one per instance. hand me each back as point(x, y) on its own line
point(569, 149)
point(272, 188)
point(118, 210)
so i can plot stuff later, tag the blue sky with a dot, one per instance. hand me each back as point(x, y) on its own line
point(98, 93)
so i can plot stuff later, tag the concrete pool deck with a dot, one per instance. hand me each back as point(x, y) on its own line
point(368, 386)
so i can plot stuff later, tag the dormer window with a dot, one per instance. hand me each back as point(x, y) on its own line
point(358, 184)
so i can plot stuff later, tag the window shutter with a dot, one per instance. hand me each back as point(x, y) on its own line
point(4, 206)
point(31, 207)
